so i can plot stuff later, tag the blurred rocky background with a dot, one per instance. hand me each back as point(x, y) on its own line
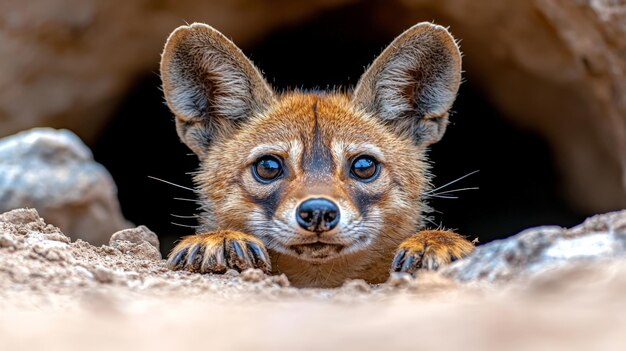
point(541, 115)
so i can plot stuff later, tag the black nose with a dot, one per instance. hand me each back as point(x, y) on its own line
point(317, 215)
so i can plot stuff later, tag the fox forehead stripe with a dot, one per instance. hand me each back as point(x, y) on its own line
point(317, 159)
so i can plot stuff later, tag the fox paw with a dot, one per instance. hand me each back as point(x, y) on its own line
point(219, 251)
point(430, 250)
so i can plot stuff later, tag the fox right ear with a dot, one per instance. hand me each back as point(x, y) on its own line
point(209, 85)
point(413, 83)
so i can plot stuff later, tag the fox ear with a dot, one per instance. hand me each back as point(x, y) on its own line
point(413, 83)
point(209, 85)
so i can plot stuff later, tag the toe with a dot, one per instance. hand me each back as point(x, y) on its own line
point(259, 257)
point(409, 265)
point(396, 264)
point(176, 260)
point(194, 257)
point(235, 255)
point(213, 260)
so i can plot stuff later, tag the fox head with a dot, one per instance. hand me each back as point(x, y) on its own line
point(316, 176)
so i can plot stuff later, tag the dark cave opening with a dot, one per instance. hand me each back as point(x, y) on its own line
point(517, 179)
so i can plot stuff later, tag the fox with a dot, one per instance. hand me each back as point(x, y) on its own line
point(321, 186)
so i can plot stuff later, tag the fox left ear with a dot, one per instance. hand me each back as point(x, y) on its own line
point(413, 83)
point(209, 85)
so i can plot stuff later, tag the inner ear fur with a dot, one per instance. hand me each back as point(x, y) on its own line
point(209, 85)
point(413, 83)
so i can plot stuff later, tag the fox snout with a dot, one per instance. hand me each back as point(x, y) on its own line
point(317, 215)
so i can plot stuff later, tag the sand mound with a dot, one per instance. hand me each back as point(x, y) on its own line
point(62, 295)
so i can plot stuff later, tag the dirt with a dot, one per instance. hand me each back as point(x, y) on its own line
point(62, 295)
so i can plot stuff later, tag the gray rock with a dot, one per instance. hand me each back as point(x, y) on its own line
point(139, 242)
point(535, 250)
point(54, 172)
point(136, 235)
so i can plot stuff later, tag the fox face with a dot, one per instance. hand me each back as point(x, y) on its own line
point(315, 178)
point(325, 181)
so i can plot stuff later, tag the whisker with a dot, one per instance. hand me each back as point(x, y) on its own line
point(442, 196)
point(170, 183)
point(179, 216)
point(450, 183)
point(183, 199)
point(330, 271)
point(456, 190)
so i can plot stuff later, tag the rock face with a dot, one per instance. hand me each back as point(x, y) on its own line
point(600, 238)
point(54, 172)
point(65, 61)
point(556, 67)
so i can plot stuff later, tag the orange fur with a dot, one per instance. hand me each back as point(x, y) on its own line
point(430, 249)
point(215, 252)
point(393, 115)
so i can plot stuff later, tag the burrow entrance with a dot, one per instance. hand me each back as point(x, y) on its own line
point(517, 177)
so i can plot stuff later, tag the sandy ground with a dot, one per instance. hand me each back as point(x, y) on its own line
point(58, 295)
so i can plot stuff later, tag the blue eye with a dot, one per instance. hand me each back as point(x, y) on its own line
point(365, 168)
point(267, 169)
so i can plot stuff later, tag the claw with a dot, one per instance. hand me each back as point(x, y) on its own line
point(192, 254)
point(239, 261)
point(260, 259)
point(395, 265)
point(407, 264)
point(176, 261)
point(239, 250)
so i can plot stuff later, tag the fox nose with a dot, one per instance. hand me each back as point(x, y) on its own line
point(317, 215)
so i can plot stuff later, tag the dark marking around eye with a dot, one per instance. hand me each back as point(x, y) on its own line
point(363, 200)
point(268, 203)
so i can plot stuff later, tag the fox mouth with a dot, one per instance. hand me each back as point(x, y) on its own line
point(317, 251)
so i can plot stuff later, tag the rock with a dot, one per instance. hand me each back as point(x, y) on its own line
point(398, 280)
point(140, 242)
point(280, 280)
point(536, 250)
point(573, 93)
point(20, 216)
point(253, 275)
point(62, 65)
point(31, 230)
point(136, 235)
point(356, 286)
point(6, 241)
point(103, 275)
point(54, 172)
point(142, 250)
